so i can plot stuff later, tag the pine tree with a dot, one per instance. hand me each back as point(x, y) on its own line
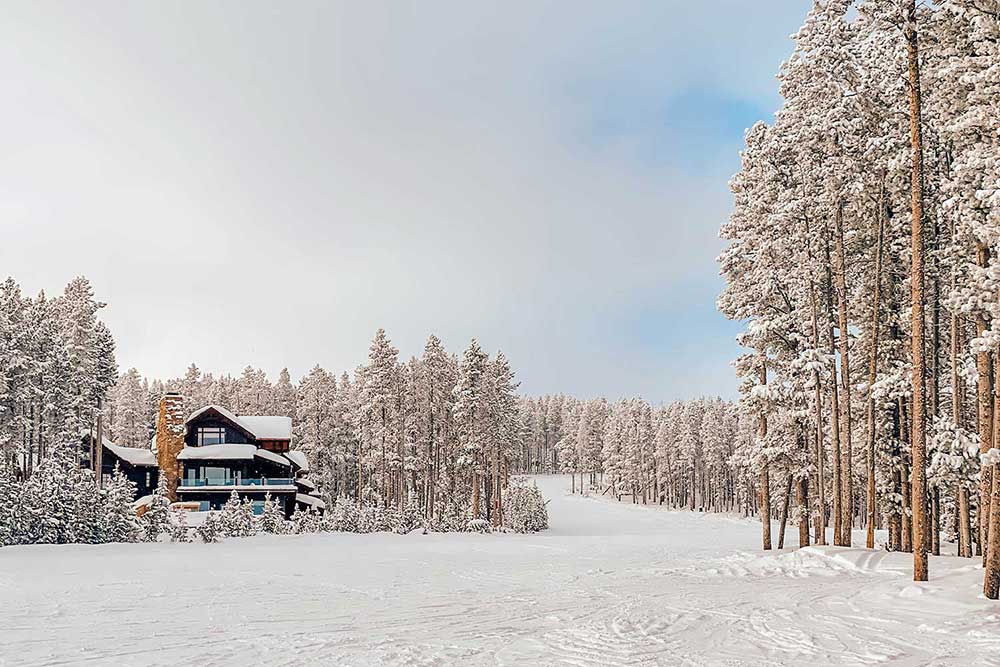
point(130, 422)
point(305, 521)
point(10, 524)
point(118, 518)
point(179, 531)
point(470, 411)
point(156, 518)
point(272, 518)
point(210, 531)
point(237, 519)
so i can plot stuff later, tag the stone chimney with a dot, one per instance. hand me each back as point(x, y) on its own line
point(170, 440)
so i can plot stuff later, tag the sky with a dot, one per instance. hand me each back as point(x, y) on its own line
point(263, 183)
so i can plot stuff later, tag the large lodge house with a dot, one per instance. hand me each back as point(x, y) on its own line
point(212, 452)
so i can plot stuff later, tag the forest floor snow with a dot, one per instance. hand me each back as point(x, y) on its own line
point(609, 584)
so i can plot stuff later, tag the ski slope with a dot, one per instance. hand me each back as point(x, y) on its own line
point(610, 584)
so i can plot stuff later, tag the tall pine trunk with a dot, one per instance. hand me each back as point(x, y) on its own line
point(820, 528)
point(834, 405)
point(957, 395)
point(991, 578)
point(873, 371)
point(784, 511)
point(765, 482)
point(846, 449)
point(918, 438)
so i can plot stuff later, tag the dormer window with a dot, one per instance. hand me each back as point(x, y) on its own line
point(211, 435)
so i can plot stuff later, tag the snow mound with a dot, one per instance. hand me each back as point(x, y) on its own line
point(807, 562)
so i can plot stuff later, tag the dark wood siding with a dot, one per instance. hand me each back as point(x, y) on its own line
point(275, 445)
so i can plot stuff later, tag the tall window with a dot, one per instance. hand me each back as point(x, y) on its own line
point(211, 435)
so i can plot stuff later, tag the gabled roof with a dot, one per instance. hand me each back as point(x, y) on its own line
point(136, 456)
point(260, 427)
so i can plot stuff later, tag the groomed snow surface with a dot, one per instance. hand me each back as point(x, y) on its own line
point(609, 584)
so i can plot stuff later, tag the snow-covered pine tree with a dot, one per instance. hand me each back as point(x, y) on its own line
point(272, 518)
point(236, 519)
point(118, 518)
point(156, 520)
point(525, 507)
point(305, 521)
point(471, 414)
point(130, 420)
point(377, 422)
point(179, 530)
point(10, 522)
point(210, 530)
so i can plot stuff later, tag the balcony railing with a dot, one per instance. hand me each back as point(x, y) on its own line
point(251, 481)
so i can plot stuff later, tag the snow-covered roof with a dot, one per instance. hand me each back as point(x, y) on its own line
point(271, 456)
point(145, 501)
point(262, 427)
point(265, 427)
point(309, 500)
point(218, 453)
point(133, 455)
point(218, 408)
point(305, 482)
point(299, 459)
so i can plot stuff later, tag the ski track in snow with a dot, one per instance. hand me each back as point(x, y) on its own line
point(609, 585)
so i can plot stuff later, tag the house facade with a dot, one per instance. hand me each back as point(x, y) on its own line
point(137, 464)
point(207, 455)
point(250, 454)
point(222, 451)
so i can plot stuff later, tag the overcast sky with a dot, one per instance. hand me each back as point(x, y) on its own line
point(267, 183)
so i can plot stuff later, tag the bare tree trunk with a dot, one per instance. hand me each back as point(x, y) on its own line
point(820, 528)
point(784, 511)
point(834, 407)
point(360, 473)
point(495, 513)
point(802, 500)
point(919, 436)
point(957, 395)
point(846, 449)
point(475, 486)
point(936, 522)
point(991, 577)
point(99, 446)
point(765, 482)
point(765, 507)
point(984, 397)
point(964, 524)
point(904, 475)
point(873, 371)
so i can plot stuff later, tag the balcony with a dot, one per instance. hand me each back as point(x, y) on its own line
point(234, 482)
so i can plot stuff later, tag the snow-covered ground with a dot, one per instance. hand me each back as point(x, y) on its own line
point(610, 584)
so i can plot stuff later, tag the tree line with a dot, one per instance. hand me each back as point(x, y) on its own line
point(57, 363)
point(437, 432)
point(862, 258)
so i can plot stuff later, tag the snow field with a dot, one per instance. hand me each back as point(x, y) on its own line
point(610, 584)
